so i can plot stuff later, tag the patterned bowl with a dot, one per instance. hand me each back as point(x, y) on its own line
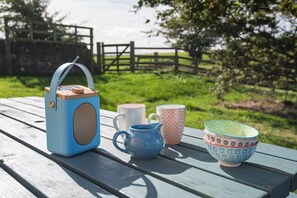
point(230, 142)
point(228, 156)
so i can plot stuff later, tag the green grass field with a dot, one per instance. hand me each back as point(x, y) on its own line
point(153, 89)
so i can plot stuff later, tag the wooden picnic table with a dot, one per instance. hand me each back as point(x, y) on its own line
point(28, 169)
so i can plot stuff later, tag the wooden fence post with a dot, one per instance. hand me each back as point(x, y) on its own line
point(195, 65)
point(91, 40)
point(75, 35)
point(99, 57)
point(103, 58)
point(176, 60)
point(55, 32)
point(132, 56)
point(8, 48)
point(117, 58)
point(91, 51)
point(31, 29)
point(156, 58)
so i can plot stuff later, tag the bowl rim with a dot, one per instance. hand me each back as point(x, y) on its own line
point(212, 134)
point(231, 136)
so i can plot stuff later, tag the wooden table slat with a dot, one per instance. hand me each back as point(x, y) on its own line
point(39, 102)
point(28, 108)
point(11, 188)
point(44, 174)
point(95, 167)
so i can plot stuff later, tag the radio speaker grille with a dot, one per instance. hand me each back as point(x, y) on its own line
point(84, 124)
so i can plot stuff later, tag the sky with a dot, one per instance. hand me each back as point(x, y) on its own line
point(113, 20)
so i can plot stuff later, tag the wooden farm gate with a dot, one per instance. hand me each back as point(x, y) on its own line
point(127, 57)
point(115, 57)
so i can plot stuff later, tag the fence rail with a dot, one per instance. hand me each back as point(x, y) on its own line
point(45, 32)
point(56, 31)
point(125, 57)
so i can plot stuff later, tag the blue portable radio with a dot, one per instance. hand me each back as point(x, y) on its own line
point(72, 114)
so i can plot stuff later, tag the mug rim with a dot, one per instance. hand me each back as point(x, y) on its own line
point(131, 106)
point(173, 106)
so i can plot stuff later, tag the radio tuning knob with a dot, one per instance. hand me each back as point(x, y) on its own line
point(77, 90)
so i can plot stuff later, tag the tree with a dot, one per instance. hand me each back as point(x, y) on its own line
point(258, 38)
point(179, 25)
point(24, 12)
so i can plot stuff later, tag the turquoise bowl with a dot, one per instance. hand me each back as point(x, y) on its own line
point(230, 155)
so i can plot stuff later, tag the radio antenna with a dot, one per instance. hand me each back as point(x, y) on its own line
point(67, 70)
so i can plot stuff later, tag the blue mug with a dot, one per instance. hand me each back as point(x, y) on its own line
point(142, 141)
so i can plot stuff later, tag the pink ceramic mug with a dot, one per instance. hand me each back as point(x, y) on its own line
point(172, 116)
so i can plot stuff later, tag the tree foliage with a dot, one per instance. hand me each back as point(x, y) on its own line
point(23, 12)
point(258, 38)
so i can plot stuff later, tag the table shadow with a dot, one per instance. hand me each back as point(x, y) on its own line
point(132, 176)
point(178, 152)
point(193, 146)
point(159, 166)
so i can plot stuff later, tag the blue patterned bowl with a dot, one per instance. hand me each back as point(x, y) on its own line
point(230, 155)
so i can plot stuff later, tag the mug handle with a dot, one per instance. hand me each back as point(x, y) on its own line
point(152, 115)
point(115, 119)
point(115, 137)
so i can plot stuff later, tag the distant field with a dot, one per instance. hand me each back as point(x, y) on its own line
point(276, 126)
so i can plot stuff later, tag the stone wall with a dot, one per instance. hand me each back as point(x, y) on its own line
point(35, 57)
